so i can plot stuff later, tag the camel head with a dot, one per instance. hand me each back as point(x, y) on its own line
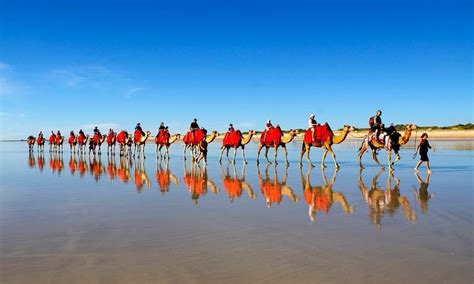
point(348, 128)
point(293, 132)
point(252, 132)
point(214, 132)
point(410, 127)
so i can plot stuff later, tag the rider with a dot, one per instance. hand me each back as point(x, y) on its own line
point(375, 124)
point(268, 126)
point(193, 127)
point(162, 126)
point(139, 128)
point(311, 124)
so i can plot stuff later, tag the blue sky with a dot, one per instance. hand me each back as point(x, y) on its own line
point(72, 64)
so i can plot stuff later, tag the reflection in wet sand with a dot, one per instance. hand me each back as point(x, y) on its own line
point(31, 160)
point(272, 189)
point(82, 166)
point(96, 167)
point(123, 172)
point(422, 195)
point(141, 177)
point(381, 201)
point(321, 198)
point(41, 161)
point(197, 181)
point(234, 185)
point(111, 167)
point(56, 164)
point(164, 177)
point(72, 163)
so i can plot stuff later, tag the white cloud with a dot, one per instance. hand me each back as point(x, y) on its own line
point(131, 92)
point(77, 75)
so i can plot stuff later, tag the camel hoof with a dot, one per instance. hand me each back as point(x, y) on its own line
point(245, 162)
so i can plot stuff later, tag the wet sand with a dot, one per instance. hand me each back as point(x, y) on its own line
point(73, 220)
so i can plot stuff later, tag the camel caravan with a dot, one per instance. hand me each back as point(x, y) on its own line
point(197, 139)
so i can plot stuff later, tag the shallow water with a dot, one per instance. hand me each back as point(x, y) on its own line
point(78, 219)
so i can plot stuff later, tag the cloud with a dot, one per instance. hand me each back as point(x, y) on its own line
point(102, 126)
point(78, 75)
point(131, 92)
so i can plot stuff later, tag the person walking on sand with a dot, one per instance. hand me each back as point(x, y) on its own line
point(423, 148)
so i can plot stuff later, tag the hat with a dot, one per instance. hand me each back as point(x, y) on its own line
point(311, 116)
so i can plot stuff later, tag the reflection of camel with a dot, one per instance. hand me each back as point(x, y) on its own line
point(82, 165)
point(56, 163)
point(273, 190)
point(198, 182)
point(111, 167)
point(422, 195)
point(72, 163)
point(227, 143)
point(285, 139)
point(164, 177)
point(96, 167)
point(123, 172)
point(31, 160)
point(140, 142)
point(374, 145)
point(141, 178)
point(234, 185)
point(332, 139)
point(41, 161)
point(383, 201)
point(321, 198)
point(167, 143)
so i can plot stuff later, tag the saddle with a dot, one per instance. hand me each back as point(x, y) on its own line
point(321, 134)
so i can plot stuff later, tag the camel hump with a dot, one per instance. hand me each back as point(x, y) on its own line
point(271, 136)
point(320, 134)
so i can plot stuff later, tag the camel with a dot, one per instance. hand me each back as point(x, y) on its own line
point(235, 140)
point(40, 141)
point(273, 190)
point(140, 141)
point(166, 142)
point(164, 177)
point(192, 140)
point(285, 139)
point(202, 147)
point(234, 185)
point(82, 142)
point(30, 141)
point(72, 143)
point(320, 198)
point(124, 140)
point(96, 142)
point(52, 141)
point(309, 142)
point(197, 182)
point(111, 141)
point(381, 201)
point(58, 144)
point(394, 142)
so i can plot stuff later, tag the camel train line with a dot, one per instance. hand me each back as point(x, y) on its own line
point(197, 140)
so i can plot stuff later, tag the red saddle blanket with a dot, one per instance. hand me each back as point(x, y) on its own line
point(81, 139)
point(110, 138)
point(232, 138)
point(137, 136)
point(321, 133)
point(96, 138)
point(72, 139)
point(194, 138)
point(122, 137)
point(271, 136)
point(162, 137)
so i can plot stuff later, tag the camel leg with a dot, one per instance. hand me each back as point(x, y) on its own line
point(222, 152)
point(374, 157)
point(361, 153)
point(285, 152)
point(235, 153)
point(143, 150)
point(258, 153)
point(227, 155)
point(184, 152)
point(336, 165)
point(167, 153)
point(307, 150)
point(324, 158)
point(266, 155)
point(389, 158)
point(243, 155)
